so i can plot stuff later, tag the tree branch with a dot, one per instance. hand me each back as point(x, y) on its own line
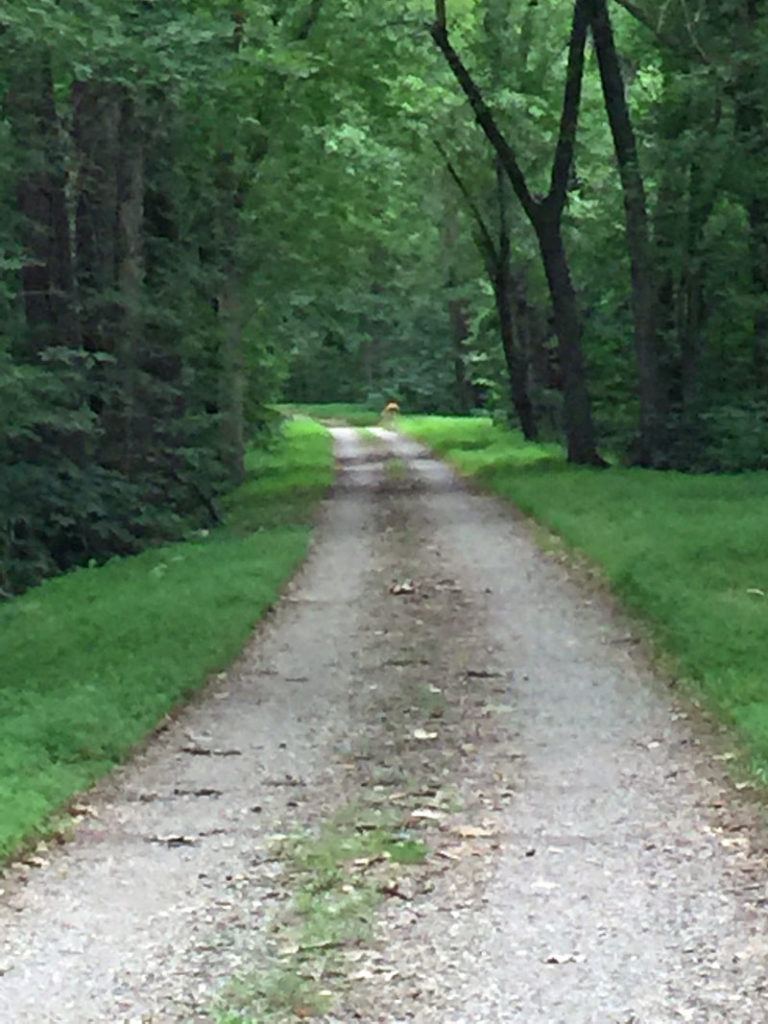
point(501, 194)
point(483, 114)
point(660, 35)
point(486, 239)
point(569, 120)
point(309, 22)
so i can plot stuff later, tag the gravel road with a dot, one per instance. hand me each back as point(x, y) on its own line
point(590, 862)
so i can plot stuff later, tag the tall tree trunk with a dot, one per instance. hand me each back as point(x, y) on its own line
point(136, 435)
point(95, 133)
point(47, 276)
point(232, 379)
point(567, 323)
point(457, 312)
point(517, 368)
point(515, 354)
point(457, 318)
point(652, 398)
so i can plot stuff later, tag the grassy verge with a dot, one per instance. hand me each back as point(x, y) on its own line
point(355, 415)
point(687, 552)
point(91, 661)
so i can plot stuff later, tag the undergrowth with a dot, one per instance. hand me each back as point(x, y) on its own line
point(91, 661)
point(688, 552)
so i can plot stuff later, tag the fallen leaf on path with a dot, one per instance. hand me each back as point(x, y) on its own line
point(473, 832)
point(422, 734)
point(427, 814)
point(542, 885)
point(209, 751)
point(459, 852)
point(83, 810)
point(305, 1011)
point(36, 862)
point(564, 958)
point(174, 840)
point(395, 889)
point(406, 587)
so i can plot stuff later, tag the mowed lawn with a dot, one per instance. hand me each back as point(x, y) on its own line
point(91, 661)
point(688, 552)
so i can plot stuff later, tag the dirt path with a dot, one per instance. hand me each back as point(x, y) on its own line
point(589, 864)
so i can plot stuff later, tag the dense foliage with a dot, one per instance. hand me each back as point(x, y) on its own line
point(557, 210)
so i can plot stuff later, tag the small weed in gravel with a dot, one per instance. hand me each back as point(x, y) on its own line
point(337, 877)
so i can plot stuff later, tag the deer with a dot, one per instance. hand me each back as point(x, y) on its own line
point(389, 412)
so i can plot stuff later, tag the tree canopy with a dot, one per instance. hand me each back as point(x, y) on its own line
point(554, 211)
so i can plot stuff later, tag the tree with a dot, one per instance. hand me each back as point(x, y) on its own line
point(545, 215)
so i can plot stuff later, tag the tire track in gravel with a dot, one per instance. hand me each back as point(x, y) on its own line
point(589, 862)
point(631, 882)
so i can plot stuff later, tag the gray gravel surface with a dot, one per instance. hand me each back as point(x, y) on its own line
point(589, 861)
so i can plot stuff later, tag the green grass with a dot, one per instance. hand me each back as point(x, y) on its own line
point(335, 892)
point(689, 553)
point(91, 661)
point(356, 415)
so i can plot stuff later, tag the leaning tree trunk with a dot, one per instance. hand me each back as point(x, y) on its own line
point(567, 322)
point(652, 398)
point(515, 355)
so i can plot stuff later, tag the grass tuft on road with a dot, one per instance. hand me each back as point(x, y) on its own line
point(688, 552)
point(91, 661)
point(338, 875)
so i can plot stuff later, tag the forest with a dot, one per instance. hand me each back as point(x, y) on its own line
point(547, 211)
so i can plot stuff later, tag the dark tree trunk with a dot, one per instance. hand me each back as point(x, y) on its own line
point(137, 429)
point(750, 115)
point(651, 394)
point(514, 350)
point(95, 128)
point(108, 132)
point(517, 367)
point(457, 313)
point(567, 322)
point(46, 277)
point(232, 379)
